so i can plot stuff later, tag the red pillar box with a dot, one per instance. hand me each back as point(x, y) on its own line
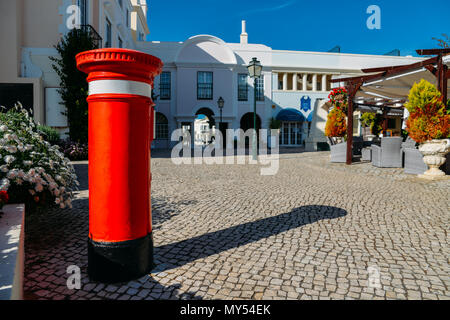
point(120, 245)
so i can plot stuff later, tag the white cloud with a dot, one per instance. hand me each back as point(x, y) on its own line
point(268, 9)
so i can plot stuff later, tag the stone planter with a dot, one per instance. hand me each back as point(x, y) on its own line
point(12, 248)
point(434, 152)
point(338, 140)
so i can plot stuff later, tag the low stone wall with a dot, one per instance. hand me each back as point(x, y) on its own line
point(12, 238)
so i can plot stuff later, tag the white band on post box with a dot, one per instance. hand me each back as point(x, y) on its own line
point(120, 87)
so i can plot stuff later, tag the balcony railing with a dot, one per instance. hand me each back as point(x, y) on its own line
point(93, 33)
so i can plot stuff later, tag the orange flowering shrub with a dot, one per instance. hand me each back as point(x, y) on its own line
point(429, 122)
point(429, 118)
point(336, 125)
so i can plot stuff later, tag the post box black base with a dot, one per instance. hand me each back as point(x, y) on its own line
point(120, 261)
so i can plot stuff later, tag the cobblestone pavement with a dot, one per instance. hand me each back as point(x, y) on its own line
point(314, 230)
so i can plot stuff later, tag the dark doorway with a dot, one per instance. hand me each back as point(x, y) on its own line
point(11, 93)
point(247, 123)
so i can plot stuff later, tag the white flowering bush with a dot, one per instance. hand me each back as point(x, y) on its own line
point(32, 171)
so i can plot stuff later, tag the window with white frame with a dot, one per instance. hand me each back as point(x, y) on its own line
point(242, 87)
point(260, 88)
point(108, 32)
point(164, 86)
point(162, 126)
point(204, 85)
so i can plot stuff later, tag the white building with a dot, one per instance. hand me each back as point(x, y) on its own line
point(203, 131)
point(293, 88)
point(30, 29)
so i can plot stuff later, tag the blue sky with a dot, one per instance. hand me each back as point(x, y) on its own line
point(309, 25)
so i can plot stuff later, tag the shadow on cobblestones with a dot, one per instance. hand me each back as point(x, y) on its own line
point(163, 210)
point(144, 288)
point(216, 242)
point(57, 240)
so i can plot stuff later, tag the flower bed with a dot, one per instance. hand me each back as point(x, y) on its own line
point(75, 151)
point(32, 170)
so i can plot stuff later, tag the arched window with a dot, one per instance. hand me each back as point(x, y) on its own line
point(162, 126)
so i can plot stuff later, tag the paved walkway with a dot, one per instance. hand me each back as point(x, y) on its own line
point(315, 230)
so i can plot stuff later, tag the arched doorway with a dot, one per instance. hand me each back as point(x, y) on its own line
point(247, 123)
point(209, 114)
point(162, 127)
point(161, 131)
point(204, 126)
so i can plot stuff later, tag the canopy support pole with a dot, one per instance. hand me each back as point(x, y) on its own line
point(442, 78)
point(441, 72)
point(385, 120)
point(351, 88)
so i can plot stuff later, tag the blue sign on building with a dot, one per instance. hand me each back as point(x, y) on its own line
point(305, 108)
point(305, 103)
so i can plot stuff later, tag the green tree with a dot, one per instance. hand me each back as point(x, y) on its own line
point(274, 123)
point(373, 121)
point(421, 95)
point(74, 88)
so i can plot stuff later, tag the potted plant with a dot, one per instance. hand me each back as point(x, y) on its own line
point(274, 124)
point(373, 121)
point(429, 125)
point(336, 126)
point(339, 98)
point(336, 130)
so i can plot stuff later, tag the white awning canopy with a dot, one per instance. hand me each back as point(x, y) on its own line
point(390, 86)
point(398, 86)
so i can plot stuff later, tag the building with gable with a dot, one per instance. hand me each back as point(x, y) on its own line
point(30, 29)
point(294, 86)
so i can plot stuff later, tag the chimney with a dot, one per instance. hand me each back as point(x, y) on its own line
point(244, 35)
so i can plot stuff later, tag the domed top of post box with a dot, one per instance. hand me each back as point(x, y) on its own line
point(121, 64)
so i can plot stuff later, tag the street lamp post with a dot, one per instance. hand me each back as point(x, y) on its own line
point(154, 98)
point(220, 103)
point(254, 71)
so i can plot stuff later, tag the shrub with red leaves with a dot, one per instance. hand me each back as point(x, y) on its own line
point(429, 122)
